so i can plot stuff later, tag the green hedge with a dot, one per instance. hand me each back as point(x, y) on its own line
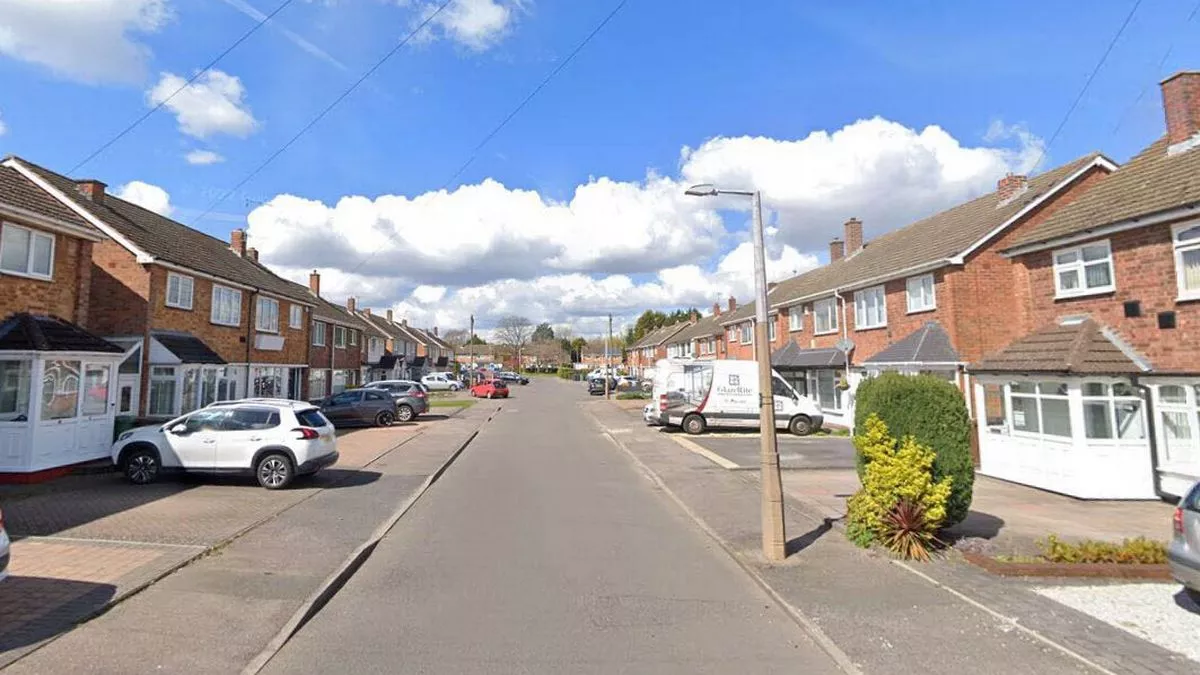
point(933, 411)
point(566, 372)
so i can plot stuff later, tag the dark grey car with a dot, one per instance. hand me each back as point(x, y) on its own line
point(1183, 555)
point(359, 407)
point(411, 398)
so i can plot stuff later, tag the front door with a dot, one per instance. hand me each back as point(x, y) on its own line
point(128, 393)
point(195, 446)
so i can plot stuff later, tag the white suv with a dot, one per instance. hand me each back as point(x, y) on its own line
point(441, 382)
point(274, 439)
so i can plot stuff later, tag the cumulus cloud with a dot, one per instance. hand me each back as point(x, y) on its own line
point(91, 41)
point(147, 196)
point(475, 24)
point(203, 157)
point(623, 246)
point(213, 104)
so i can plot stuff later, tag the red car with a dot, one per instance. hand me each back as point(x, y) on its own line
point(490, 389)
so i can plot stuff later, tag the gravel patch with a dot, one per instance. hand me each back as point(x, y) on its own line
point(1158, 613)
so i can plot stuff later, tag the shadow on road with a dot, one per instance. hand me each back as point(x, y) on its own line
point(33, 609)
point(977, 525)
point(798, 544)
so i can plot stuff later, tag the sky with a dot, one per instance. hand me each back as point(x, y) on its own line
point(574, 209)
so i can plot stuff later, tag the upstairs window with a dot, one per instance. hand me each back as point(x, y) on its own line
point(226, 306)
point(747, 333)
point(339, 336)
point(733, 335)
point(825, 318)
point(267, 315)
point(318, 334)
point(26, 252)
point(870, 308)
point(1186, 239)
point(179, 291)
point(771, 329)
point(920, 293)
point(353, 338)
point(296, 316)
point(795, 318)
point(1083, 270)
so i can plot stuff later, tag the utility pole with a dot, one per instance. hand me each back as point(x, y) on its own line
point(608, 361)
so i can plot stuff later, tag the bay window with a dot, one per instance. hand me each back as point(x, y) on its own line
point(1179, 417)
point(266, 315)
point(60, 390)
point(1040, 408)
point(825, 316)
point(26, 252)
point(179, 291)
point(1186, 240)
point(16, 377)
point(226, 306)
point(870, 310)
point(1112, 411)
point(162, 391)
point(1083, 270)
point(920, 293)
point(95, 389)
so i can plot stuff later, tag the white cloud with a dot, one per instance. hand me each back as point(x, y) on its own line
point(203, 157)
point(147, 196)
point(3, 126)
point(213, 104)
point(87, 40)
point(476, 24)
point(623, 246)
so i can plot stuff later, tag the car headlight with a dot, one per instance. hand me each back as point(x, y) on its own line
point(125, 435)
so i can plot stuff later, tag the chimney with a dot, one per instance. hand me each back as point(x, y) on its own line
point(367, 311)
point(252, 253)
point(389, 316)
point(350, 304)
point(854, 240)
point(837, 250)
point(732, 304)
point(92, 189)
point(435, 331)
point(314, 280)
point(237, 242)
point(404, 322)
point(1010, 186)
point(695, 315)
point(1181, 103)
point(716, 309)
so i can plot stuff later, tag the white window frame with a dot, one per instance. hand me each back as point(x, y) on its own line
point(917, 283)
point(862, 309)
point(339, 337)
point(772, 329)
point(33, 234)
point(746, 332)
point(296, 316)
point(179, 279)
point(318, 333)
point(733, 335)
point(1189, 408)
point(795, 318)
point(266, 315)
point(215, 315)
point(1079, 266)
point(1179, 249)
point(828, 308)
point(353, 337)
point(1038, 396)
point(1111, 401)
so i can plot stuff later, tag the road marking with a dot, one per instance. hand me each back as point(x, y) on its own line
point(704, 452)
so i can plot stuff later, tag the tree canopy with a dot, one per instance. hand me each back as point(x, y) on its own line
point(543, 332)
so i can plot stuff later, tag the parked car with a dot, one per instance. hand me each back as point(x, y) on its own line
point(360, 407)
point(596, 385)
point(4, 548)
point(441, 382)
point(411, 397)
point(509, 376)
point(496, 388)
point(1183, 555)
point(275, 440)
point(651, 416)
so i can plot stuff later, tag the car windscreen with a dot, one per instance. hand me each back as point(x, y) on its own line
point(311, 418)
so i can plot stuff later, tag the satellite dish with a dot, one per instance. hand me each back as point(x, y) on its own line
point(845, 345)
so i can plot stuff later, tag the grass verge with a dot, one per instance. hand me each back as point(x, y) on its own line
point(452, 403)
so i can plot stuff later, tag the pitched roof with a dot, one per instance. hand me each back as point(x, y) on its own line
point(1085, 347)
point(706, 326)
point(939, 237)
point(17, 190)
point(171, 241)
point(659, 335)
point(792, 356)
point(42, 333)
point(339, 314)
point(1152, 181)
point(746, 311)
point(927, 344)
point(388, 328)
point(188, 347)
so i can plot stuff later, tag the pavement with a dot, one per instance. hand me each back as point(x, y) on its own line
point(86, 543)
point(741, 450)
point(547, 551)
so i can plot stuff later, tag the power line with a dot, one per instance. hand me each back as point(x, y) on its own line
point(185, 85)
point(1088, 83)
point(1157, 71)
point(321, 115)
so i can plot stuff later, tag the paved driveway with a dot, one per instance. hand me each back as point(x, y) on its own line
point(795, 452)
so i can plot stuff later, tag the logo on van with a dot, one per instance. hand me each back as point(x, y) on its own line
point(735, 380)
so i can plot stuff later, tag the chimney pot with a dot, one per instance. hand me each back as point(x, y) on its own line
point(854, 236)
point(237, 242)
point(1181, 104)
point(389, 316)
point(350, 304)
point(435, 334)
point(314, 281)
point(1010, 186)
point(732, 303)
point(91, 188)
point(837, 250)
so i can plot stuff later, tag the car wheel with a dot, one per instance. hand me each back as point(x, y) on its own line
point(142, 466)
point(453, 387)
point(800, 425)
point(274, 471)
point(384, 419)
point(694, 425)
point(405, 413)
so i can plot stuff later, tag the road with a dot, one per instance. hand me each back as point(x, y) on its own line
point(544, 550)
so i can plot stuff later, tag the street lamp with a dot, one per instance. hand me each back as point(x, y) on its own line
point(774, 537)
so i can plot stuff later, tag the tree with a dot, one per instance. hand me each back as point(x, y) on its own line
point(456, 337)
point(514, 331)
point(543, 332)
point(577, 347)
point(476, 340)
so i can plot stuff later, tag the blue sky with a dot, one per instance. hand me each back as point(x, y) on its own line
point(662, 76)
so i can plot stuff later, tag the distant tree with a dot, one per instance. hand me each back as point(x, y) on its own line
point(681, 315)
point(456, 337)
point(650, 320)
point(476, 340)
point(629, 337)
point(577, 347)
point(543, 333)
point(514, 331)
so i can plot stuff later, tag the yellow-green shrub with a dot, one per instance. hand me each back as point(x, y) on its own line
point(1135, 551)
point(894, 472)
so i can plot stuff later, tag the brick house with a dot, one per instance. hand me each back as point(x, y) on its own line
point(391, 356)
point(57, 380)
point(339, 344)
point(644, 353)
point(1116, 412)
point(929, 297)
point(203, 320)
point(433, 353)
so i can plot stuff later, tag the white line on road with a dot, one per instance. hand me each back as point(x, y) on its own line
point(705, 453)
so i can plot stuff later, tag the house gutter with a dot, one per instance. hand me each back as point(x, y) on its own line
point(1152, 435)
point(874, 281)
point(1177, 213)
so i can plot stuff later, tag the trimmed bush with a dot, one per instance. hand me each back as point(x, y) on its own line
point(895, 473)
point(627, 395)
point(932, 411)
point(1138, 551)
point(566, 372)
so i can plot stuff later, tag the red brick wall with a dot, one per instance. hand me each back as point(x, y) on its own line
point(120, 288)
point(61, 295)
point(1144, 270)
point(349, 357)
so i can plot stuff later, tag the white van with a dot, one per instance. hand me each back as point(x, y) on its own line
point(699, 395)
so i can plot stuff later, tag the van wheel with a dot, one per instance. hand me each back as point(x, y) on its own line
point(274, 471)
point(141, 466)
point(694, 425)
point(800, 425)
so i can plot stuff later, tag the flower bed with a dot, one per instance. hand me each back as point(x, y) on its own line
point(1024, 568)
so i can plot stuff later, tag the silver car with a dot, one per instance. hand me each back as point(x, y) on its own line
point(1183, 555)
point(3, 549)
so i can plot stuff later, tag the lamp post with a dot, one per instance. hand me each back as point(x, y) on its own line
point(774, 536)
